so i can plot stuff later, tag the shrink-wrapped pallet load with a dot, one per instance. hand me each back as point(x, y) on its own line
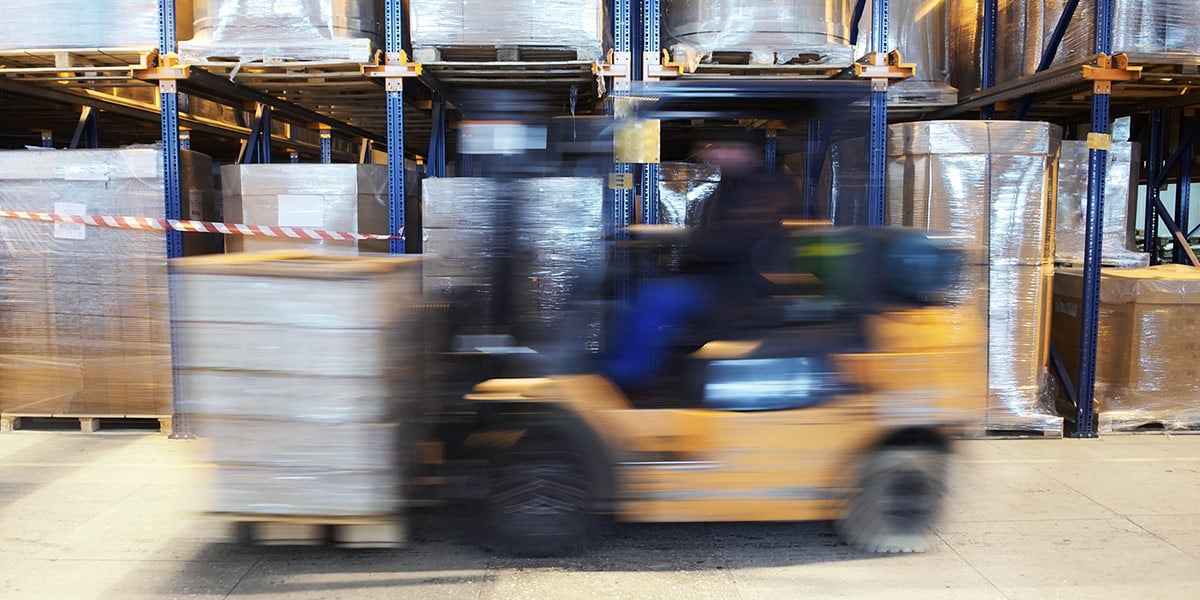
point(991, 184)
point(770, 32)
point(71, 24)
point(1120, 194)
point(917, 29)
point(524, 26)
point(548, 229)
point(282, 30)
point(1025, 27)
point(1146, 372)
point(84, 310)
point(333, 197)
point(303, 373)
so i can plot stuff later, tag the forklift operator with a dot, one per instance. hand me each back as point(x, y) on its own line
point(718, 280)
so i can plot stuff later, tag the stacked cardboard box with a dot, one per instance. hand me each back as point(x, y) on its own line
point(990, 183)
point(1146, 370)
point(75, 24)
point(303, 372)
point(85, 309)
point(550, 228)
point(333, 197)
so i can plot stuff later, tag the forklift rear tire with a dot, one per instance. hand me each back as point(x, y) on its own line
point(538, 501)
point(899, 501)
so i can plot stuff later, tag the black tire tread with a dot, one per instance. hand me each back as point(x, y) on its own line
point(538, 500)
point(866, 524)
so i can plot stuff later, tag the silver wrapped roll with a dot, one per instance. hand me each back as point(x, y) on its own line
point(1026, 26)
point(581, 25)
point(918, 29)
point(253, 30)
point(772, 31)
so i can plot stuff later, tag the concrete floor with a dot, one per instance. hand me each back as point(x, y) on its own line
point(114, 516)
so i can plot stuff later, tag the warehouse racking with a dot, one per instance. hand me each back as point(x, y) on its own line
point(1091, 91)
point(331, 111)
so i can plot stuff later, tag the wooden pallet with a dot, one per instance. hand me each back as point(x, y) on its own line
point(1013, 427)
point(1118, 422)
point(10, 422)
point(74, 59)
point(502, 53)
point(368, 531)
point(271, 52)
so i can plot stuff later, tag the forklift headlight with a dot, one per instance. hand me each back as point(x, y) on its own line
point(768, 383)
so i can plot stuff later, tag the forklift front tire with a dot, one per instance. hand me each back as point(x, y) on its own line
point(899, 501)
point(538, 501)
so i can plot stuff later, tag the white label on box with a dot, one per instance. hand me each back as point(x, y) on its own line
point(70, 231)
point(196, 205)
point(297, 210)
point(92, 172)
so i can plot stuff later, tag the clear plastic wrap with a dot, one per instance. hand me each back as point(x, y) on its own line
point(964, 30)
point(306, 492)
point(771, 31)
point(335, 197)
point(1146, 370)
point(75, 24)
point(683, 190)
point(361, 446)
point(273, 30)
point(556, 243)
point(304, 400)
point(1139, 26)
point(990, 183)
point(84, 309)
point(1070, 225)
point(918, 30)
point(844, 183)
point(580, 25)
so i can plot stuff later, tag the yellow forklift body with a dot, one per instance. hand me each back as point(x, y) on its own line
point(923, 369)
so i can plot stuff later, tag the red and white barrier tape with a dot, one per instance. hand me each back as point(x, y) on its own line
point(149, 224)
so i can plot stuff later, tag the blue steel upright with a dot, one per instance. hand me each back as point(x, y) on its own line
point(326, 145)
point(818, 143)
point(1047, 58)
point(987, 70)
point(1085, 417)
point(1183, 195)
point(877, 143)
point(180, 427)
point(622, 199)
point(770, 155)
point(393, 16)
point(1155, 174)
point(651, 45)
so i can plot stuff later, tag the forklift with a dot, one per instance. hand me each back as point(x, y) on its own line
point(754, 367)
